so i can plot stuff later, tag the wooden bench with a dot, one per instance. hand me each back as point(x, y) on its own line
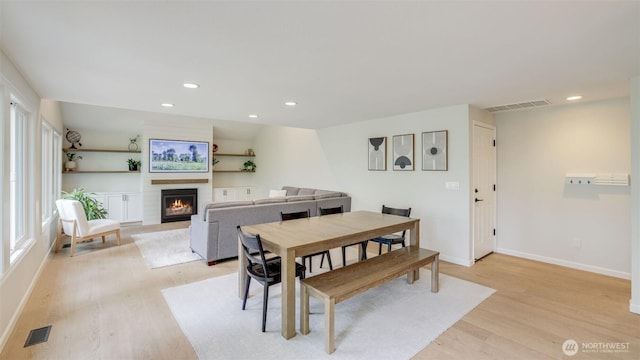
point(338, 285)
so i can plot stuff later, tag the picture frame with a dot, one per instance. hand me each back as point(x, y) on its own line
point(178, 156)
point(377, 156)
point(403, 152)
point(435, 151)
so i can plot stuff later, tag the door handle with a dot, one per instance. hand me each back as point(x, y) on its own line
point(478, 200)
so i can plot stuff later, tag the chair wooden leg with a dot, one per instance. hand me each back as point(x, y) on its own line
point(246, 292)
point(103, 239)
point(118, 237)
point(58, 244)
point(265, 301)
point(73, 245)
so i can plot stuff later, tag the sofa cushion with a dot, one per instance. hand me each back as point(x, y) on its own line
point(270, 200)
point(306, 191)
point(291, 190)
point(224, 204)
point(326, 195)
point(277, 193)
point(299, 198)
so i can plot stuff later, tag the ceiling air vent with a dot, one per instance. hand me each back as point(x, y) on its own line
point(522, 105)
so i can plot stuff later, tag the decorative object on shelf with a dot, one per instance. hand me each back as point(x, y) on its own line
point(92, 207)
point(71, 164)
point(74, 138)
point(250, 152)
point(133, 143)
point(434, 150)
point(403, 152)
point(214, 148)
point(134, 164)
point(378, 153)
point(249, 166)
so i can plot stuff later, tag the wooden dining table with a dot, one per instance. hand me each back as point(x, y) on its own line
point(296, 238)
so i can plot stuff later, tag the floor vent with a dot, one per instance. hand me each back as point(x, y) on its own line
point(522, 105)
point(38, 336)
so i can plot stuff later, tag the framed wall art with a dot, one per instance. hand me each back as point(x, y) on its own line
point(178, 156)
point(434, 150)
point(377, 153)
point(403, 152)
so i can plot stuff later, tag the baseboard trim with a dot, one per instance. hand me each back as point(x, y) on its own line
point(566, 263)
point(455, 260)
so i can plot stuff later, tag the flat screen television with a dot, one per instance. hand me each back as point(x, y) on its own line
point(178, 156)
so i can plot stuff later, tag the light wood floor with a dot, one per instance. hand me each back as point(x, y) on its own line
point(105, 303)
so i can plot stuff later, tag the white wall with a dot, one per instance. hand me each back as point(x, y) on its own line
point(17, 281)
point(635, 195)
point(336, 158)
point(294, 157)
point(539, 217)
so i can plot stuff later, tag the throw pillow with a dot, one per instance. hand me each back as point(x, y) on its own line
point(277, 193)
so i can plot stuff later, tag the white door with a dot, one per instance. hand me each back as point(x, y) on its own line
point(484, 181)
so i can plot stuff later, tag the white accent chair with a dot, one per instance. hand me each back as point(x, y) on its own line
point(74, 223)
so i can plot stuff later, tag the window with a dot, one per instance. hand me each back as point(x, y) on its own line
point(18, 179)
point(51, 140)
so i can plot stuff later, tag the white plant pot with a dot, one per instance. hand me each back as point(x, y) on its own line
point(70, 166)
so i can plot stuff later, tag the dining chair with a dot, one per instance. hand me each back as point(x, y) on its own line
point(340, 210)
point(266, 271)
point(74, 223)
point(392, 239)
point(304, 215)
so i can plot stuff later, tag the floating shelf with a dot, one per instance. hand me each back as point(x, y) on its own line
point(179, 181)
point(233, 171)
point(103, 150)
point(240, 155)
point(102, 172)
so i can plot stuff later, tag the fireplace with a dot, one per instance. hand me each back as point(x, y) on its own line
point(178, 204)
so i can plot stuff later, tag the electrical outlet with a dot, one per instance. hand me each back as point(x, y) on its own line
point(576, 243)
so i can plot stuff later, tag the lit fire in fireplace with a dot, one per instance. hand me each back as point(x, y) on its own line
point(177, 207)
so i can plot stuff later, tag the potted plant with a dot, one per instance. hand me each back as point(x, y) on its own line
point(249, 166)
point(71, 165)
point(134, 164)
point(92, 207)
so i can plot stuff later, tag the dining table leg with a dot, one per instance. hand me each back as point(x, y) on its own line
point(288, 285)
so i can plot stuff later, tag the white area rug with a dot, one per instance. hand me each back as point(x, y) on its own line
point(393, 321)
point(165, 248)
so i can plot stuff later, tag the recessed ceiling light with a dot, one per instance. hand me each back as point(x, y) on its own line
point(576, 97)
point(291, 103)
point(253, 116)
point(191, 85)
point(169, 105)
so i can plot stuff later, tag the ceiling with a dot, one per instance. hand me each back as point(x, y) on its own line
point(341, 62)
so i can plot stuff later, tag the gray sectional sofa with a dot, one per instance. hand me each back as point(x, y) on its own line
point(213, 233)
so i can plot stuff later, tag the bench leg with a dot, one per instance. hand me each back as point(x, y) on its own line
point(411, 276)
point(304, 309)
point(435, 275)
point(329, 325)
